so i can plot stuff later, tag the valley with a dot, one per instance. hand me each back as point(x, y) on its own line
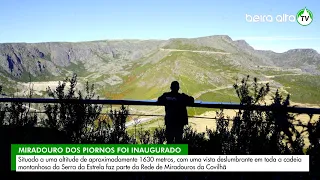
point(206, 67)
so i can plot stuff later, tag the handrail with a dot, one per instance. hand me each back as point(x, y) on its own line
point(200, 104)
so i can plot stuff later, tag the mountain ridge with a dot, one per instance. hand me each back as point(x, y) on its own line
point(241, 41)
point(63, 52)
point(143, 68)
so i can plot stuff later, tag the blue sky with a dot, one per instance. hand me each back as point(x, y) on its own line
point(69, 20)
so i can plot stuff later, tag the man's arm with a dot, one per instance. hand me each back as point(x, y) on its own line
point(162, 99)
point(188, 99)
point(192, 99)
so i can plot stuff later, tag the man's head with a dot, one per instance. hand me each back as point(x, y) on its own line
point(175, 86)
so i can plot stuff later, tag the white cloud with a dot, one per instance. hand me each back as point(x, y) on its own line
point(278, 38)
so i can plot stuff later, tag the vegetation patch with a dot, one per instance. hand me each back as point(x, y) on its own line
point(78, 69)
point(303, 88)
point(178, 44)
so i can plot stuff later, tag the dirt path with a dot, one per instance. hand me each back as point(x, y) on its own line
point(220, 88)
point(211, 90)
point(180, 50)
point(139, 121)
point(273, 76)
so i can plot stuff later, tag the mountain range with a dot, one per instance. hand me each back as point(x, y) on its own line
point(206, 67)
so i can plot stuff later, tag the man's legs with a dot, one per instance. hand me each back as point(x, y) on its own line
point(178, 134)
point(174, 134)
point(169, 134)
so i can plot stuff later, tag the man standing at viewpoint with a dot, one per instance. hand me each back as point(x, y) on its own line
point(176, 112)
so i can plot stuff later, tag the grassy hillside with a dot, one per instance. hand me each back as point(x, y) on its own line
point(178, 44)
point(303, 88)
point(134, 69)
point(195, 71)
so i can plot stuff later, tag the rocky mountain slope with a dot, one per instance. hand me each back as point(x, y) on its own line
point(142, 69)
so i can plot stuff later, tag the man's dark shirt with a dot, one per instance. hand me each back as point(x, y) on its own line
point(175, 107)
